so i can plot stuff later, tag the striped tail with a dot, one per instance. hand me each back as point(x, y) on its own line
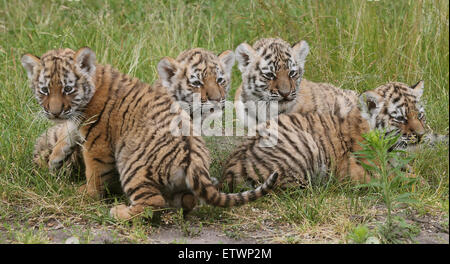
point(201, 184)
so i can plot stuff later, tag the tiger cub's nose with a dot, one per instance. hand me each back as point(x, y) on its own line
point(284, 94)
point(56, 109)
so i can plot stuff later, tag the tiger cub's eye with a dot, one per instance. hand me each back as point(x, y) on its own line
point(44, 90)
point(400, 119)
point(421, 115)
point(292, 74)
point(269, 76)
point(196, 83)
point(68, 89)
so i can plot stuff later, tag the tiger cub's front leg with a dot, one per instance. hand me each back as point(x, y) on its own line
point(61, 151)
point(100, 168)
point(57, 145)
point(68, 140)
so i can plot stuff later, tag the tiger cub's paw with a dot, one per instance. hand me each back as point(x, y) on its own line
point(55, 162)
point(184, 200)
point(91, 192)
point(120, 212)
point(42, 159)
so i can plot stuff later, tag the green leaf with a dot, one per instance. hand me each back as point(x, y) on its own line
point(405, 198)
point(148, 213)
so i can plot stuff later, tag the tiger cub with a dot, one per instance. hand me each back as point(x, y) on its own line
point(126, 127)
point(55, 146)
point(272, 71)
point(323, 97)
point(211, 88)
point(312, 144)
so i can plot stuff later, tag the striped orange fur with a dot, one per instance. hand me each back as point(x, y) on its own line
point(125, 127)
point(56, 146)
point(313, 142)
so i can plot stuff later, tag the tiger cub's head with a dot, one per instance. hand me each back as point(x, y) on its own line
point(62, 81)
point(396, 108)
point(198, 71)
point(271, 70)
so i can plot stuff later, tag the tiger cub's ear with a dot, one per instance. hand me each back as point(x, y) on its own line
point(29, 62)
point(301, 50)
point(418, 89)
point(167, 68)
point(227, 59)
point(370, 101)
point(85, 61)
point(245, 54)
point(370, 104)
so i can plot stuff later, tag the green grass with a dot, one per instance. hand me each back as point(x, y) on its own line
point(354, 44)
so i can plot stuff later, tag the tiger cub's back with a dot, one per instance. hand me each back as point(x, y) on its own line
point(324, 97)
point(395, 108)
point(308, 146)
